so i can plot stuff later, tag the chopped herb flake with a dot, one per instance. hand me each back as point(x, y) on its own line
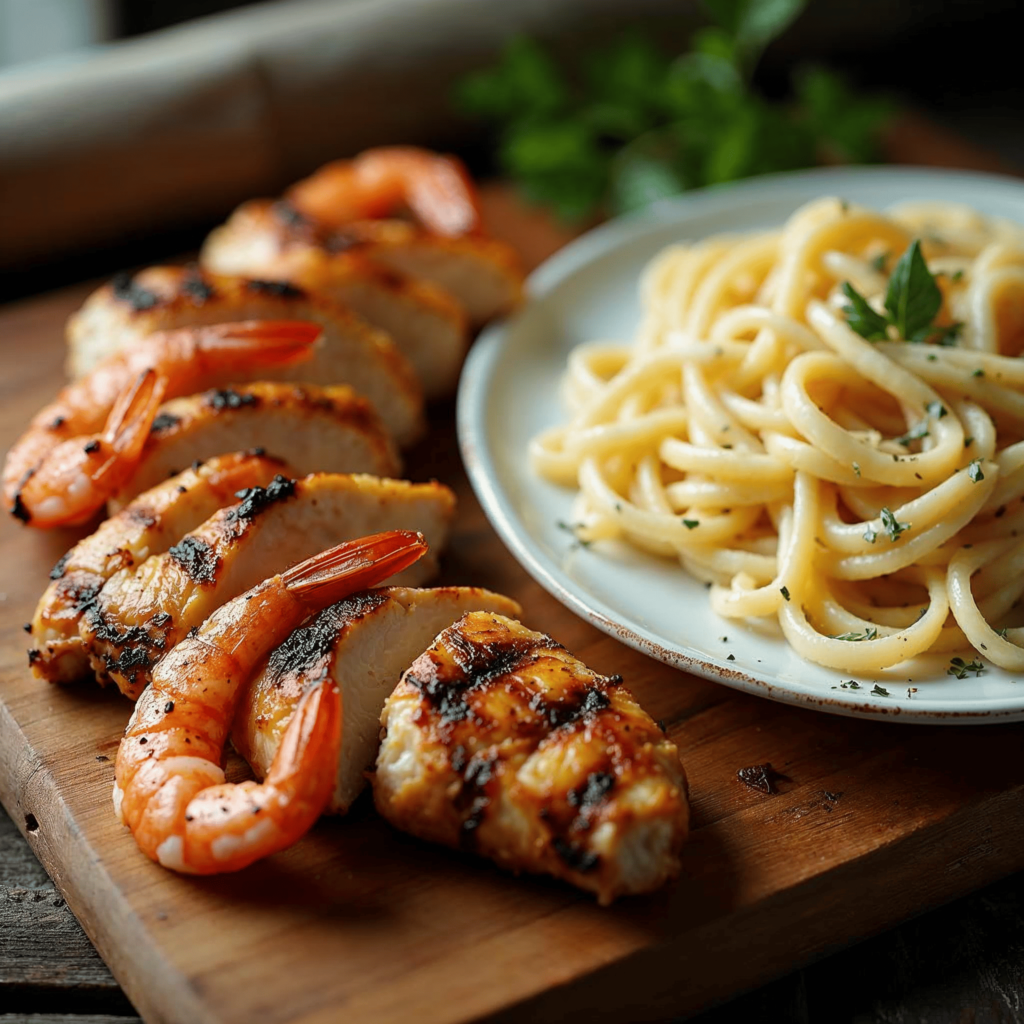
point(891, 525)
point(856, 468)
point(572, 528)
point(915, 433)
point(959, 668)
point(691, 523)
point(974, 471)
point(879, 691)
point(784, 591)
point(869, 634)
point(936, 409)
point(946, 335)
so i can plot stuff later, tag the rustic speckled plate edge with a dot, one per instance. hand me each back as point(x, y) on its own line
point(479, 381)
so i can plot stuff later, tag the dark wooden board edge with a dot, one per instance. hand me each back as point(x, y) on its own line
point(30, 794)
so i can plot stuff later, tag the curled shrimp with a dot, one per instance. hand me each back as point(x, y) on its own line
point(55, 451)
point(436, 189)
point(169, 786)
point(77, 476)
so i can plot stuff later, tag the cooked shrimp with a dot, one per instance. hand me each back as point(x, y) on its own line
point(435, 189)
point(169, 785)
point(76, 477)
point(57, 450)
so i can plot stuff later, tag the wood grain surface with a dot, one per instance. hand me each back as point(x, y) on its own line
point(875, 822)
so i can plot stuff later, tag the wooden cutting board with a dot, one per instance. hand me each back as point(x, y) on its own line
point(874, 821)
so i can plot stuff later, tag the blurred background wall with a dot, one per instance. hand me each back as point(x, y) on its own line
point(127, 128)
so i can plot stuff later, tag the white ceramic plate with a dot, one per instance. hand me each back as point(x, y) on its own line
point(510, 391)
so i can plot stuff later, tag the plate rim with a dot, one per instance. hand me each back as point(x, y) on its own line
point(478, 377)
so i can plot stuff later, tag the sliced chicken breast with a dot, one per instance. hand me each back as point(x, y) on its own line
point(482, 274)
point(498, 740)
point(425, 322)
point(140, 614)
point(366, 642)
point(310, 428)
point(147, 526)
point(161, 298)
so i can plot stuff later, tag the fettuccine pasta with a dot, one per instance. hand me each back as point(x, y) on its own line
point(825, 423)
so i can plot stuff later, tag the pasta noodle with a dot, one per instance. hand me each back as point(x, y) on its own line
point(825, 475)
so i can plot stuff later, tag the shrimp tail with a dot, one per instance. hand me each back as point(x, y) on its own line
point(231, 826)
point(131, 417)
point(307, 761)
point(264, 342)
point(354, 565)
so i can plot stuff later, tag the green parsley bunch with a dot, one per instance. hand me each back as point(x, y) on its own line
point(637, 125)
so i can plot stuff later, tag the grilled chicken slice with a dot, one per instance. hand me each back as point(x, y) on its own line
point(147, 526)
point(311, 428)
point(160, 298)
point(500, 741)
point(365, 642)
point(140, 614)
point(482, 274)
point(424, 321)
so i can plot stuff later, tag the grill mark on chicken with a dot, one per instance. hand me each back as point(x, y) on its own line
point(164, 421)
point(140, 516)
point(593, 791)
point(581, 704)
point(254, 500)
point(61, 567)
point(197, 558)
point(289, 215)
point(80, 589)
point(108, 632)
point(196, 287)
point(126, 289)
point(358, 605)
point(303, 229)
point(314, 647)
point(474, 796)
point(228, 398)
point(131, 661)
point(575, 856)
point(343, 241)
point(138, 647)
point(277, 289)
point(476, 665)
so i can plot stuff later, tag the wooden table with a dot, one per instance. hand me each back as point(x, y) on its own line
point(960, 963)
